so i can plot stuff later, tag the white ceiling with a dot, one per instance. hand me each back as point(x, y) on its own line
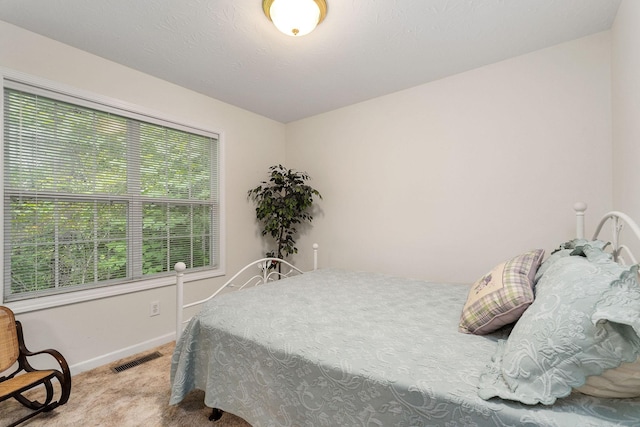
point(227, 49)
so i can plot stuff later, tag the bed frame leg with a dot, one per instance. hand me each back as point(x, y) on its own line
point(216, 414)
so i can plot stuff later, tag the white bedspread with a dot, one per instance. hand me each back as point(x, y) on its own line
point(337, 348)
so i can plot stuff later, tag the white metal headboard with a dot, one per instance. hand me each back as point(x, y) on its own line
point(619, 221)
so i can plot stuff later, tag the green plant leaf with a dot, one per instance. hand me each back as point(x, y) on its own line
point(282, 202)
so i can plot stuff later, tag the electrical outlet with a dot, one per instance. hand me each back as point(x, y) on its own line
point(154, 308)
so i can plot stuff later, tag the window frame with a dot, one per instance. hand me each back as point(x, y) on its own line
point(137, 111)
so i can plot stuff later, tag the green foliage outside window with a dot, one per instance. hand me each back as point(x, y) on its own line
point(93, 198)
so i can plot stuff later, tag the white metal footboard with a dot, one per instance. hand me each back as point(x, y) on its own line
point(269, 269)
point(619, 221)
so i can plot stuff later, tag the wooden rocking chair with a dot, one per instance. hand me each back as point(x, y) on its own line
point(13, 351)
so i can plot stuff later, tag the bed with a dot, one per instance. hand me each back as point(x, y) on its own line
point(343, 348)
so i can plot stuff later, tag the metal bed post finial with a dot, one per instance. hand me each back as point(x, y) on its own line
point(315, 256)
point(580, 208)
point(180, 267)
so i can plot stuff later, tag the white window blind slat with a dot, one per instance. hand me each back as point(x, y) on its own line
point(96, 198)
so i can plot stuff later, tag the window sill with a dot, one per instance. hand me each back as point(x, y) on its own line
point(43, 303)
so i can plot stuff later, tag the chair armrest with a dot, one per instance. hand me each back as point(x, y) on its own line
point(54, 353)
point(64, 377)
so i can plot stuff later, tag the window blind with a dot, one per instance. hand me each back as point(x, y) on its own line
point(99, 196)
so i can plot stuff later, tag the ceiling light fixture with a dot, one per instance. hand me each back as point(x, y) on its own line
point(295, 17)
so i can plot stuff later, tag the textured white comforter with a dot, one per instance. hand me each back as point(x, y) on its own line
point(337, 348)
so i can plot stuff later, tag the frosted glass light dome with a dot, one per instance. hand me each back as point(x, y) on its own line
point(295, 17)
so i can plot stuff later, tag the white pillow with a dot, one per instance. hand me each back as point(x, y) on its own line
point(620, 382)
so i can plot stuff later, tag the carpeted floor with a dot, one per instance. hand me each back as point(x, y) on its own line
point(137, 396)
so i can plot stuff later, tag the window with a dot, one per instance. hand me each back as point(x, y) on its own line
point(97, 195)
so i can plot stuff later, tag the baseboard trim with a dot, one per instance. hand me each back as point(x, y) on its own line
point(121, 354)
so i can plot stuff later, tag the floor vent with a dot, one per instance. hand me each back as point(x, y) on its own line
point(136, 362)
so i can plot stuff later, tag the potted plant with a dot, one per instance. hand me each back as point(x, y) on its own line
point(282, 203)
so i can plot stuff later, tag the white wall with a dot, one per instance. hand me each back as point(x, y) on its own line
point(96, 332)
point(626, 108)
point(445, 180)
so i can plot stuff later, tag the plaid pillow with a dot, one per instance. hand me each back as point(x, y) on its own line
point(501, 296)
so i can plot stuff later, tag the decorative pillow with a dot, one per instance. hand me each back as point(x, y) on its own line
point(585, 319)
point(572, 247)
point(623, 381)
point(580, 243)
point(556, 255)
point(500, 296)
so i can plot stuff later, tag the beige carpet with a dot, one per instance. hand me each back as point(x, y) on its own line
point(138, 396)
